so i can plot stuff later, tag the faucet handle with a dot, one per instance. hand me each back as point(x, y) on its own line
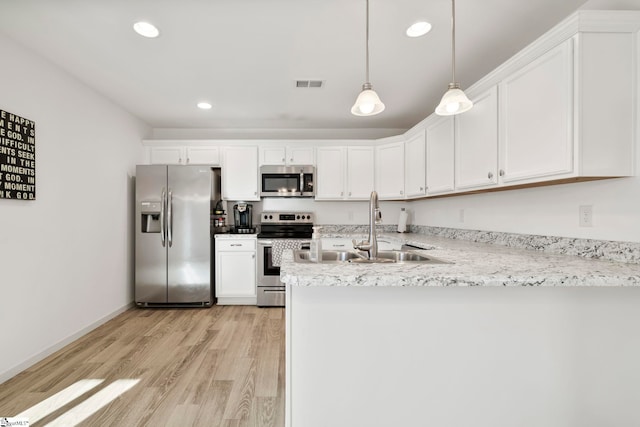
point(361, 246)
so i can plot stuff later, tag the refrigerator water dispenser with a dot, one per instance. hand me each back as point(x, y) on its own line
point(150, 212)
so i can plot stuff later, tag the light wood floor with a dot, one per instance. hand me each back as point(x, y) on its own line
point(222, 366)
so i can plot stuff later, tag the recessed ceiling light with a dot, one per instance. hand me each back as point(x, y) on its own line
point(419, 29)
point(204, 105)
point(146, 29)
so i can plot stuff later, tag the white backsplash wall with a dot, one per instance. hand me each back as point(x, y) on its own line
point(551, 211)
point(330, 212)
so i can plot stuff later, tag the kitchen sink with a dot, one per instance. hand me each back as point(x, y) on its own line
point(302, 256)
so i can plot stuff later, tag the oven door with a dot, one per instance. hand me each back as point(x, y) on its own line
point(268, 274)
point(271, 291)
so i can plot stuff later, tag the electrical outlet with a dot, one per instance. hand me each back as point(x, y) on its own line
point(461, 216)
point(585, 213)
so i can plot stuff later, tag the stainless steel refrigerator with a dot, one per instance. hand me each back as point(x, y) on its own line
point(173, 242)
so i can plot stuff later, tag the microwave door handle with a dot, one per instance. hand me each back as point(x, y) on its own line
point(301, 181)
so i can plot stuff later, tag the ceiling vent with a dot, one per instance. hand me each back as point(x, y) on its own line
point(309, 83)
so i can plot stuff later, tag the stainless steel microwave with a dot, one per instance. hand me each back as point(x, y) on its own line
point(287, 181)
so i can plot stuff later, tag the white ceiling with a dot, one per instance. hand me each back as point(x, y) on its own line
point(244, 56)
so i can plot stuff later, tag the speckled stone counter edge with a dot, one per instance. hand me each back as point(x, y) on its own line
point(587, 248)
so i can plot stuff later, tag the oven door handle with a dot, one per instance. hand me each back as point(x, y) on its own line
point(265, 242)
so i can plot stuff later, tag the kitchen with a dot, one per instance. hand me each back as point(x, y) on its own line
point(86, 169)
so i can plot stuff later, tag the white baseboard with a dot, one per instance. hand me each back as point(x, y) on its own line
point(12, 372)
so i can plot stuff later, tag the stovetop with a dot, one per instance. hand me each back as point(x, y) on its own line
point(286, 225)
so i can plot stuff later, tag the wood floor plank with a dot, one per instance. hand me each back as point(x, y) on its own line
point(215, 367)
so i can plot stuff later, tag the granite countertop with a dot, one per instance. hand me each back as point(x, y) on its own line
point(472, 264)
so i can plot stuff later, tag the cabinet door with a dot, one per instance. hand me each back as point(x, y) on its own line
point(273, 155)
point(477, 143)
point(240, 173)
point(415, 172)
point(390, 170)
point(330, 175)
point(440, 160)
point(536, 113)
point(203, 156)
point(235, 274)
point(360, 172)
point(300, 156)
point(167, 156)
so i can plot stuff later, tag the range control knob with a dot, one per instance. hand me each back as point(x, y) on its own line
point(298, 217)
point(270, 216)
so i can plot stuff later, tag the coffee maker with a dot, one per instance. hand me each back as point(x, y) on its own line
point(243, 218)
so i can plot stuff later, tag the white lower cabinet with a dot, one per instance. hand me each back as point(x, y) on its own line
point(235, 270)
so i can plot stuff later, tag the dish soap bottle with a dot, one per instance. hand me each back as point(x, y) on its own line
point(402, 221)
point(315, 248)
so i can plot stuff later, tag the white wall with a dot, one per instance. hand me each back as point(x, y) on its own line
point(66, 260)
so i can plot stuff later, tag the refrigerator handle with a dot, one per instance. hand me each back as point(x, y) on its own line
point(162, 224)
point(170, 219)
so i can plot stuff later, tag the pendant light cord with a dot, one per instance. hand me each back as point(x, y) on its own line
point(367, 37)
point(453, 41)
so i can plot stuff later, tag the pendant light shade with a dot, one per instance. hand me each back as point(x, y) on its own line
point(368, 102)
point(454, 100)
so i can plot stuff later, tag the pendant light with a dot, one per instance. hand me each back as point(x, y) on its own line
point(454, 100)
point(368, 102)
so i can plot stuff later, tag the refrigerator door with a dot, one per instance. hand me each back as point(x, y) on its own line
point(151, 255)
point(188, 234)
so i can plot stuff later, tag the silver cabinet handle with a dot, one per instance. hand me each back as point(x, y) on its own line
point(341, 193)
point(273, 291)
point(235, 244)
point(421, 188)
point(401, 192)
point(170, 219)
point(283, 160)
point(349, 193)
point(291, 160)
point(163, 227)
point(253, 256)
point(490, 175)
point(188, 160)
point(501, 172)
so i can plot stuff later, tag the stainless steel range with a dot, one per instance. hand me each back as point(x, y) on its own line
point(279, 231)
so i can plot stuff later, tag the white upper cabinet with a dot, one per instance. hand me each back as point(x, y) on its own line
point(344, 173)
point(390, 170)
point(240, 173)
point(330, 173)
point(536, 111)
point(167, 156)
point(476, 152)
point(360, 172)
point(287, 155)
point(203, 156)
point(415, 172)
point(185, 156)
point(440, 156)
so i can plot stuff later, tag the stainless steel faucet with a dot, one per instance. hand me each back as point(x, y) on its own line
point(375, 217)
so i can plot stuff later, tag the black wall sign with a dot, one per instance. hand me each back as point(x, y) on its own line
point(17, 157)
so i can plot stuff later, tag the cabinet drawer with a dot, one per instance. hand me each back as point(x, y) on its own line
point(235, 245)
